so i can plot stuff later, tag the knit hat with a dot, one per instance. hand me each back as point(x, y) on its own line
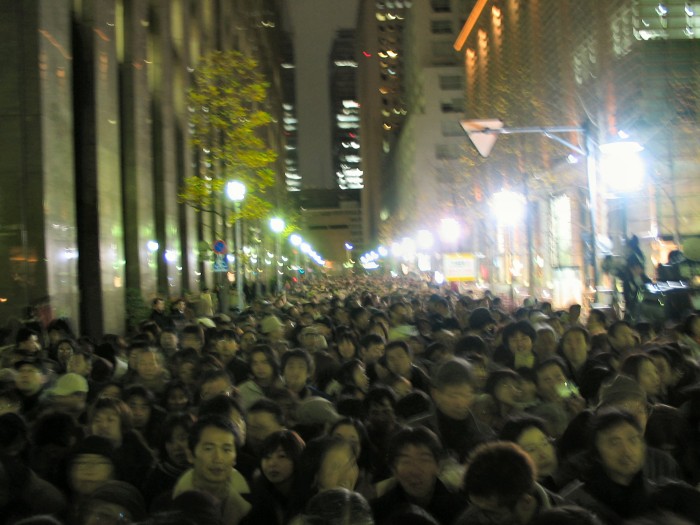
point(270, 323)
point(69, 384)
point(316, 411)
point(123, 494)
point(480, 318)
point(622, 388)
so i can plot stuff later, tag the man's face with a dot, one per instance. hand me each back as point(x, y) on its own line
point(79, 364)
point(540, 448)
point(519, 343)
point(621, 449)
point(106, 423)
point(548, 381)
point(89, 471)
point(382, 414)
point(416, 470)
point(398, 362)
point(168, 342)
point(295, 374)
point(226, 348)
point(192, 341)
point(372, 353)
point(148, 365)
point(260, 425)
point(454, 400)
point(29, 379)
point(214, 456)
point(140, 410)
point(159, 306)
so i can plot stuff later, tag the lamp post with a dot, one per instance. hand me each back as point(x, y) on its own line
point(236, 192)
point(277, 226)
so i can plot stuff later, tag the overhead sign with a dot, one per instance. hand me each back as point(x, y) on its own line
point(220, 246)
point(459, 267)
point(480, 135)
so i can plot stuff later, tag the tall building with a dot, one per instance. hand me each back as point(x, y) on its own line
point(345, 112)
point(96, 148)
point(630, 68)
point(292, 176)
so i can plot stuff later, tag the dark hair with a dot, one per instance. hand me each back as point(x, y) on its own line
point(403, 345)
point(270, 407)
point(219, 405)
point(140, 391)
point(119, 406)
point(523, 327)
point(452, 373)
point(377, 395)
point(25, 333)
point(297, 353)
point(344, 375)
point(514, 427)
point(269, 354)
point(287, 440)
point(631, 365)
point(553, 360)
point(176, 384)
point(416, 436)
point(496, 377)
point(486, 473)
point(172, 422)
point(599, 315)
point(572, 330)
point(338, 506)
point(606, 419)
point(363, 459)
point(613, 328)
point(371, 339)
point(219, 422)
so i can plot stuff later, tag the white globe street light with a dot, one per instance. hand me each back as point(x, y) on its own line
point(509, 207)
point(236, 190)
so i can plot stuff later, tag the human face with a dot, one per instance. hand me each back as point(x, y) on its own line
point(349, 433)
point(295, 374)
point(454, 400)
point(168, 342)
point(649, 379)
point(373, 353)
point(575, 348)
point(664, 370)
point(519, 343)
point(346, 349)
point(381, 415)
point(176, 447)
point(338, 469)
point(216, 387)
point(621, 450)
point(548, 381)
point(260, 367)
point(480, 374)
point(111, 391)
point(508, 392)
point(78, 364)
point(416, 470)
point(248, 340)
point(106, 423)
point(148, 366)
point(159, 306)
point(214, 455)
point(398, 362)
point(260, 425)
point(186, 372)
point(140, 410)
point(64, 352)
point(227, 348)
point(192, 341)
point(89, 471)
point(545, 344)
point(277, 467)
point(29, 379)
point(177, 400)
point(625, 338)
point(540, 448)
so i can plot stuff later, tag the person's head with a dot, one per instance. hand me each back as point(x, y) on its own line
point(110, 418)
point(212, 449)
point(65, 348)
point(215, 382)
point(192, 336)
point(264, 418)
point(173, 441)
point(346, 344)
point(158, 304)
point(354, 432)
point(519, 337)
point(372, 348)
point(227, 345)
point(337, 506)
point(176, 396)
point(414, 454)
point(642, 369)
point(546, 342)
point(149, 365)
point(227, 407)
point(622, 337)
point(90, 465)
point(624, 393)
point(27, 340)
point(398, 358)
point(168, 342)
point(669, 372)
point(597, 322)
point(30, 375)
point(140, 400)
point(79, 363)
point(530, 434)
point(329, 462)
point(504, 386)
point(453, 389)
point(297, 369)
point(353, 373)
point(499, 481)
point(186, 366)
point(380, 406)
point(264, 364)
point(114, 502)
point(481, 320)
point(551, 375)
point(574, 345)
point(280, 455)
point(617, 443)
point(69, 394)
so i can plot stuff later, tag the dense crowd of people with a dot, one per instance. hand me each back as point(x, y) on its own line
point(353, 401)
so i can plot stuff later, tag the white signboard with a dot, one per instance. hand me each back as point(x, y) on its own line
point(459, 267)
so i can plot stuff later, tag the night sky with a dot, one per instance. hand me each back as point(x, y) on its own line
point(313, 24)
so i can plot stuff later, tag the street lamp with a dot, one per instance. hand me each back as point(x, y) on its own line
point(277, 226)
point(509, 207)
point(236, 192)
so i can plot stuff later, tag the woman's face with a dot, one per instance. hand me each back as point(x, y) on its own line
point(260, 367)
point(338, 469)
point(520, 343)
point(648, 377)
point(349, 433)
point(277, 467)
point(508, 392)
point(575, 348)
point(177, 400)
point(64, 353)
